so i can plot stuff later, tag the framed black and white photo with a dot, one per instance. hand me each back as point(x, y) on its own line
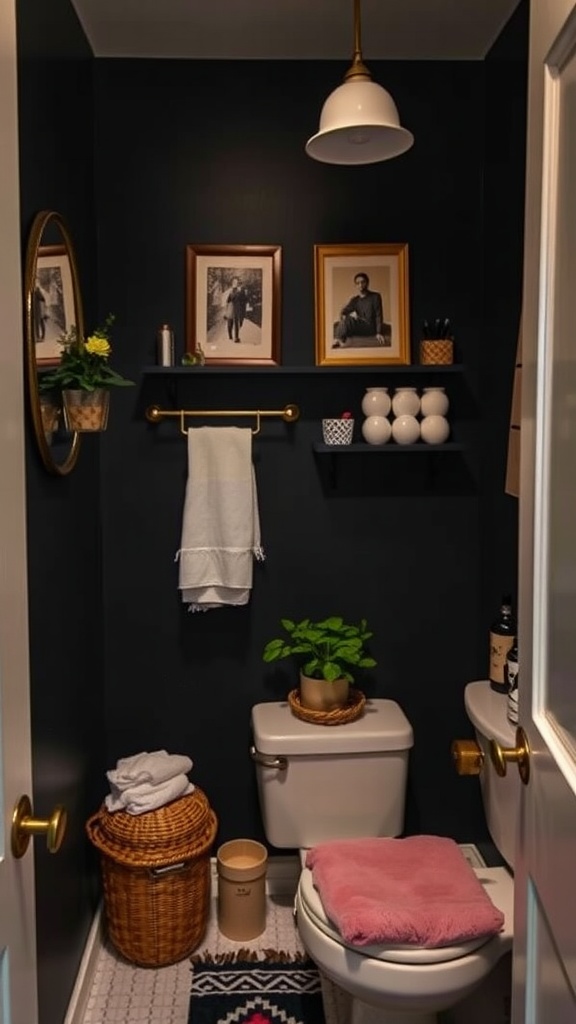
point(53, 310)
point(233, 303)
point(361, 299)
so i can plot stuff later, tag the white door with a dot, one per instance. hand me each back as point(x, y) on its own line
point(545, 876)
point(17, 926)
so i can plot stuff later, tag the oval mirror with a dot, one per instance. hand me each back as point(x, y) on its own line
point(53, 305)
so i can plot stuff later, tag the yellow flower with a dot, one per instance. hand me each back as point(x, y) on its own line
point(98, 346)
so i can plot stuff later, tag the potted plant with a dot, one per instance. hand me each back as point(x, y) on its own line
point(84, 376)
point(326, 651)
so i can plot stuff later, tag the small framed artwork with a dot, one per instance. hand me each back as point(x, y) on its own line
point(233, 303)
point(361, 298)
point(53, 309)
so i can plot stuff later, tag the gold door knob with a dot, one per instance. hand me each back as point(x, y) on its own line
point(520, 754)
point(24, 826)
point(468, 757)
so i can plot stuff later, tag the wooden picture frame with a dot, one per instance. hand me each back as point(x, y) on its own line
point(347, 334)
point(215, 313)
point(53, 307)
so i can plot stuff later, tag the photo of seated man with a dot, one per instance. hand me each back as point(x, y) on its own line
point(361, 322)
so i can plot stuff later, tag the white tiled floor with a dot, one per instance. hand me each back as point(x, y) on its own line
point(124, 994)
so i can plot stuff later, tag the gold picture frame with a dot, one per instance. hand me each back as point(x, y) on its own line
point(53, 307)
point(376, 331)
point(234, 323)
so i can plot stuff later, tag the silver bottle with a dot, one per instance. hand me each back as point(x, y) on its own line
point(165, 345)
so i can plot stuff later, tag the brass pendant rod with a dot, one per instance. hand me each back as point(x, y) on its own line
point(357, 31)
point(358, 68)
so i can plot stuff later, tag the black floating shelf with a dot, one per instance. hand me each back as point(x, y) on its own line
point(386, 449)
point(376, 370)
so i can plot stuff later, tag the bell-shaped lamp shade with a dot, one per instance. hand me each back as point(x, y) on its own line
point(359, 124)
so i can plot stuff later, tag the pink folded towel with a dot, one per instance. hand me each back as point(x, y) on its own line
point(416, 891)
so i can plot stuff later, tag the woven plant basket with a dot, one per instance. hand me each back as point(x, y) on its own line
point(156, 878)
point(353, 709)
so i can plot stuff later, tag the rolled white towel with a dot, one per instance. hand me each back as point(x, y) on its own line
point(148, 797)
point(155, 767)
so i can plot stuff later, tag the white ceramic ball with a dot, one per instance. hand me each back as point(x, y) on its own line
point(376, 429)
point(376, 402)
point(434, 429)
point(405, 429)
point(405, 402)
point(434, 402)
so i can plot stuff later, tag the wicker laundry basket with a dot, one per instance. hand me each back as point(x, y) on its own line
point(156, 878)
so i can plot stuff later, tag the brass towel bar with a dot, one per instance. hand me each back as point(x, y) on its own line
point(289, 414)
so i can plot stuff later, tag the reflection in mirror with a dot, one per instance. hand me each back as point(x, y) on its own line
point(53, 305)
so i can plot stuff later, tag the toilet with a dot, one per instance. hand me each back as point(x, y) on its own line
point(317, 783)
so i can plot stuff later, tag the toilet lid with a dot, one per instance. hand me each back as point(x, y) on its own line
point(399, 954)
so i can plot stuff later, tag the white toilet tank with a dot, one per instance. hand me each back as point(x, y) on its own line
point(486, 710)
point(318, 782)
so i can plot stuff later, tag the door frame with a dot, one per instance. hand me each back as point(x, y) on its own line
point(18, 978)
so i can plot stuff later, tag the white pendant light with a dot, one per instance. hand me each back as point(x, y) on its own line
point(359, 122)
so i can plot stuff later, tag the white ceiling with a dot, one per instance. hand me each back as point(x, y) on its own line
point(293, 29)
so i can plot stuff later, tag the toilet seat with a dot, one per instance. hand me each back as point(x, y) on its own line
point(397, 953)
point(409, 982)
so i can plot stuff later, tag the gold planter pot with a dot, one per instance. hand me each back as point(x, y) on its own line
point(321, 695)
point(49, 413)
point(86, 411)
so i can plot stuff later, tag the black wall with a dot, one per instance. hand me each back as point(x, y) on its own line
point(142, 158)
point(201, 152)
point(503, 254)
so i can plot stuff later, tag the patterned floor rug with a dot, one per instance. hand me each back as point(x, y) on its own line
point(243, 989)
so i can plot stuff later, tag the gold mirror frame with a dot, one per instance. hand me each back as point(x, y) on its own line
point(68, 442)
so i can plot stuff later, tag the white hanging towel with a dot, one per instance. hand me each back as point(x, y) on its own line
point(221, 525)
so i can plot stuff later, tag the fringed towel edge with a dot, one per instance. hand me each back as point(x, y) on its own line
point(258, 552)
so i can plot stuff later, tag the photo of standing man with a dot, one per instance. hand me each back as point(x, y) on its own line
point(235, 311)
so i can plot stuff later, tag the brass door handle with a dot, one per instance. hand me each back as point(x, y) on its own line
point(24, 826)
point(468, 757)
point(520, 754)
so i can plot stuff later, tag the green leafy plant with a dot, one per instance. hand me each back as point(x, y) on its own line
point(325, 649)
point(84, 362)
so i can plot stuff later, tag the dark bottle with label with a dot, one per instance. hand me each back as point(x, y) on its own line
point(512, 673)
point(502, 635)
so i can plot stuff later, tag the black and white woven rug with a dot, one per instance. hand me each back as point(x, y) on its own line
point(245, 988)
